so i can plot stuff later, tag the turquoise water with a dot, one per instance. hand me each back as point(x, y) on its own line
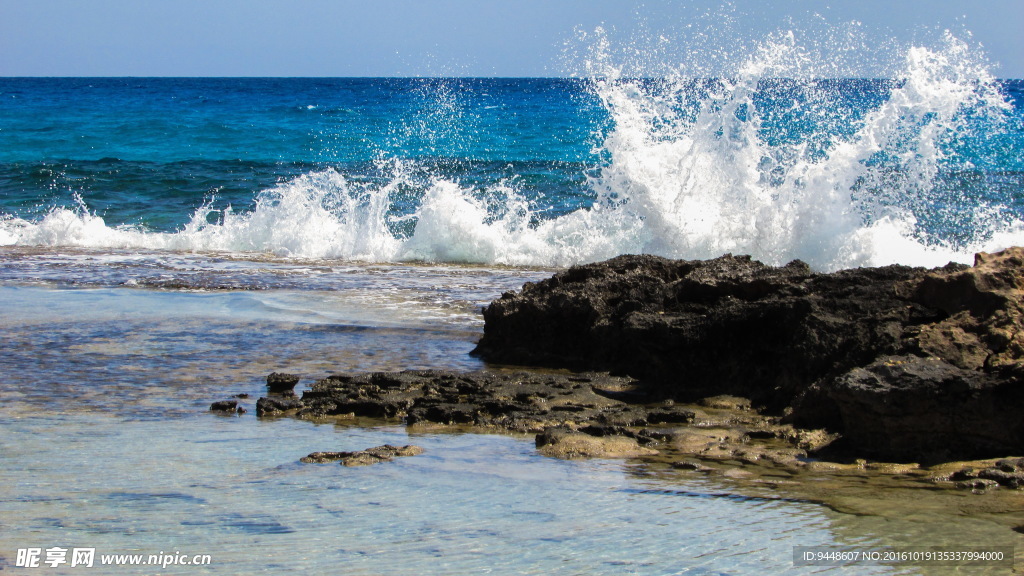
point(165, 243)
point(109, 445)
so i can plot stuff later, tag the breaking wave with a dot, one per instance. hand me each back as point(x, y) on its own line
point(773, 159)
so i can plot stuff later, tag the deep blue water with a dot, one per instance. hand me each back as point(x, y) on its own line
point(124, 143)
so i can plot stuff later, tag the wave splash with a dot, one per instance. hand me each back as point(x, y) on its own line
point(770, 160)
point(777, 163)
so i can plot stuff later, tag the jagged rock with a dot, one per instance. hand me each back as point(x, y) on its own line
point(694, 465)
point(696, 329)
point(1008, 479)
point(901, 364)
point(905, 363)
point(278, 383)
point(983, 330)
point(725, 402)
point(1010, 464)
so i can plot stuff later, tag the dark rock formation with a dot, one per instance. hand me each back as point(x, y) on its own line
point(912, 408)
point(906, 363)
point(224, 406)
point(702, 328)
point(573, 415)
point(278, 383)
point(277, 405)
point(522, 401)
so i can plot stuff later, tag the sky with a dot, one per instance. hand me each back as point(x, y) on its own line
point(510, 38)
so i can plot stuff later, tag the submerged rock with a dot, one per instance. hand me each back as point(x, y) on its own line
point(385, 453)
point(1008, 473)
point(907, 364)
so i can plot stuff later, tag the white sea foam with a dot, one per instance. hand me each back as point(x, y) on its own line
point(692, 173)
point(707, 181)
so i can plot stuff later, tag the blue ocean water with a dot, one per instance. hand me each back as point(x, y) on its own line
point(919, 169)
point(150, 152)
point(167, 242)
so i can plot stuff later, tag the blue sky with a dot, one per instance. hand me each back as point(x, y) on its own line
point(443, 37)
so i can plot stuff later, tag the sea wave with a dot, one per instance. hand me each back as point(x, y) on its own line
point(772, 161)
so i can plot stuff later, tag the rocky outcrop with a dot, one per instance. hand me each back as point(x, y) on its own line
point(915, 408)
point(905, 363)
point(692, 329)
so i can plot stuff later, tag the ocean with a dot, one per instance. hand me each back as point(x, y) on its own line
point(168, 242)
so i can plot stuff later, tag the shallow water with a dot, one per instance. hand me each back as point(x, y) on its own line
point(108, 444)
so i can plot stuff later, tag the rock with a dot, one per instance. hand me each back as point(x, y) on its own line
point(912, 408)
point(892, 468)
point(1008, 479)
point(906, 364)
point(224, 406)
point(984, 308)
point(708, 441)
point(278, 383)
point(695, 329)
point(1010, 464)
point(385, 453)
point(569, 444)
point(694, 465)
point(977, 485)
point(726, 402)
point(521, 402)
point(277, 405)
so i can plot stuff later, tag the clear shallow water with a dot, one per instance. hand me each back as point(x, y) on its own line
point(165, 243)
point(108, 443)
